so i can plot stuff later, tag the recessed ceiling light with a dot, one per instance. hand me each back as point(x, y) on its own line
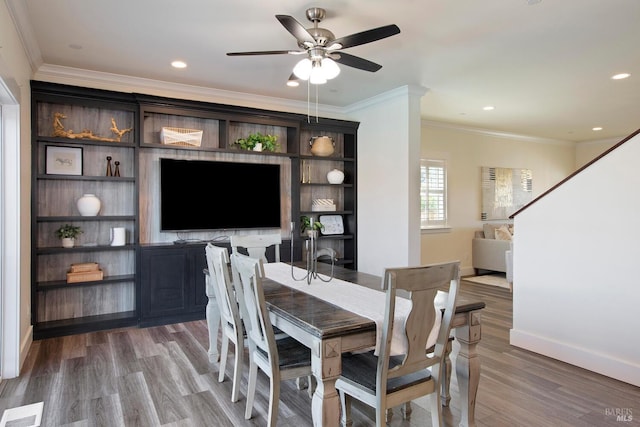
point(597, 128)
point(293, 83)
point(179, 64)
point(489, 108)
point(620, 76)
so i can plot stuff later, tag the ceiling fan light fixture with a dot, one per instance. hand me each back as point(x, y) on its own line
point(330, 68)
point(317, 76)
point(302, 70)
point(317, 72)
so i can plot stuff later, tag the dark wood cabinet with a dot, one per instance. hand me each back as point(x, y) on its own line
point(172, 284)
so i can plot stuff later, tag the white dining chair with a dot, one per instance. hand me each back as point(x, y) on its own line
point(232, 328)
point(256, 245)
point(385, 381)
point(281, 359)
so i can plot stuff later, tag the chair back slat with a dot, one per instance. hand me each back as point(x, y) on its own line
point(256, 245)
point(422, 285)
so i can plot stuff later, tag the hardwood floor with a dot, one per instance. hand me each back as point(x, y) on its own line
point(161, 376)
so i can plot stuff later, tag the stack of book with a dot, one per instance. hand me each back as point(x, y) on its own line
point(84, 272)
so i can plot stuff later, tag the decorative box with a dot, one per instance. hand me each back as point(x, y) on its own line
point(85, 276)
point(84, 272)
point(181, 136)
point(322, 205)
point(85, 266)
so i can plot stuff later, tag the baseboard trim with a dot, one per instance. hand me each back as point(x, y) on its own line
point(25, 344)
point(467, 271)
point(584, 358)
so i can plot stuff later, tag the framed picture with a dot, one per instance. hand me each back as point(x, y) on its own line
point(332, 224)
point(63, 160)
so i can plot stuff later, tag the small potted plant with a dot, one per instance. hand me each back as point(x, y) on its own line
point(68, 234)
point(258, 142)
point(309, 227)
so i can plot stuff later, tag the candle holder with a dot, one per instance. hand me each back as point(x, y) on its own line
point(312, 253)
point(109, 172)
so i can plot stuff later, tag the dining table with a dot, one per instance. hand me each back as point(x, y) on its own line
point(317, 319)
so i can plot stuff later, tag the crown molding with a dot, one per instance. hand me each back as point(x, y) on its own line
point(495, 133)
point(123, 83)
point(404, 91)
point(607, 141)
point(22, 23)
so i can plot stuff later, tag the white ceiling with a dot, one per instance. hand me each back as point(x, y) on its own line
point(546, 67)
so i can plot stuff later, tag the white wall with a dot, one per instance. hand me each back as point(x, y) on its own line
point(587, 151)
point(576, 290)
point(15, 68)
point(466, 151)
point(388, 180)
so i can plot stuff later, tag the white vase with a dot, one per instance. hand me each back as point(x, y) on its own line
point(335, 176)
point(68, 242)
point(88, 205)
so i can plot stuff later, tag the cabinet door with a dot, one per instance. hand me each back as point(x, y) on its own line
point(164, 280)
point(198, 264)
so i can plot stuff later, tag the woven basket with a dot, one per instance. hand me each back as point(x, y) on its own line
point(181, 136)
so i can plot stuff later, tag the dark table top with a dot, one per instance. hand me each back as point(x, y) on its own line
point(325, 320)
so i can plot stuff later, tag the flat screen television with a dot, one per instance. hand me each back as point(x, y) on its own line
point(198, 195)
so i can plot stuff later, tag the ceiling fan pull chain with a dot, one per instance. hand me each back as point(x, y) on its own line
point(308, 102)
point(316, 103)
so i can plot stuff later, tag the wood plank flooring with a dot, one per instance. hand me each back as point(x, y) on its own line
point(161, 376)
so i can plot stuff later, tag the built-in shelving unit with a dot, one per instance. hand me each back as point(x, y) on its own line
point(131, 291)
point(82, 121)
point(314, 184)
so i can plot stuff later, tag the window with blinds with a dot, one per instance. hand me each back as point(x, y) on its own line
point(433, 193)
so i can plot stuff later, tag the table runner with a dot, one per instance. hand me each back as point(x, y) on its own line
point(363, 301)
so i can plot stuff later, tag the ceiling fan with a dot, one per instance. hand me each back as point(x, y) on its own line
point(322, 48)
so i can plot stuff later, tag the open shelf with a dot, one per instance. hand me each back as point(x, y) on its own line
point(59, 284)
point(80, 325)
point(97, 248)
point(86, 218)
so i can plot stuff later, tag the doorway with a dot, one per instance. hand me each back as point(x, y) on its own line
point(9, 231)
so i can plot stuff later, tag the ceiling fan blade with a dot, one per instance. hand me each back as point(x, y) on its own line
point(265, 52)
point(356, 62)
point(296, 28)
point(366, 36)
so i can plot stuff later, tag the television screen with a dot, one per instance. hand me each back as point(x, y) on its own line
point(214, 195)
